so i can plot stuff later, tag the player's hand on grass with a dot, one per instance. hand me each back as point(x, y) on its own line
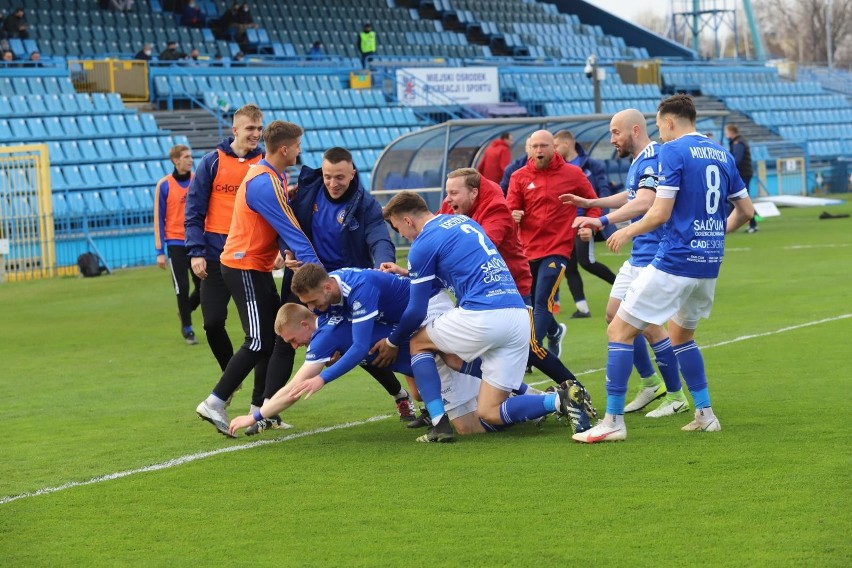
point(240, 422)
point(393, 268)
point(161, 261)
point(617, 240)
point(199, 266)
point(385, 353)
point(307, 388)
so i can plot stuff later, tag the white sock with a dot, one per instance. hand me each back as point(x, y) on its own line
point(214, 401)
point(252, 408)
point(614, 420)
point(582, 305)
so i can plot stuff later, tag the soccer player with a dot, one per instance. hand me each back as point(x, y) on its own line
point(629, 135)
point(299, 327)
point(469, 193)
point(209, 207)
point(696, 178)
point(169, 206)
point(491, 320)
point(260, 220)
point(362, 296)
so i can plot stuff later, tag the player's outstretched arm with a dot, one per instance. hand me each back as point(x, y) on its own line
point(281, 400)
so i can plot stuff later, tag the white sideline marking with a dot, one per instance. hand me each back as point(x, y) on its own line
point(735, 340)
point(190, 458)
point(201, 455)
point(827, 245)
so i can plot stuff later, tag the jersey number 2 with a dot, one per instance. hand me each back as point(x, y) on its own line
point(470, 229)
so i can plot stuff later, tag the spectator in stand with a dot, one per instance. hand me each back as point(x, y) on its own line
point(192, 16)
point(515, 166)
point(8, 57)
point(496, 157)
point(584, 252)
point(739, 148)
point(194, 55)
point(171, 52)
point(35, 60)
point(366, 43)
point(239, 58)
point(227, 20)
point(237, 20)
point(16, 25)
point(545, 225)
point(316, 52)
point(121, 5)
point(145, 54)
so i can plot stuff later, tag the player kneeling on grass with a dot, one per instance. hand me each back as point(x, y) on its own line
point(326, 336)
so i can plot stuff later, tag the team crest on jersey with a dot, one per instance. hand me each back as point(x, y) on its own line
point(340, 215)
point(335, 319)
point(316, 207)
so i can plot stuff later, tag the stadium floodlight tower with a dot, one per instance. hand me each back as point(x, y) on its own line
point(692, 17)
point(596, 74)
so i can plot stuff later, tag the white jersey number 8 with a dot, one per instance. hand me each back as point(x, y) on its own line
point(714, 181)
point(470, 229)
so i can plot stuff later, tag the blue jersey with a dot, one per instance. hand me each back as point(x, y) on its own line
point(367, 297)
point(334, 335)
point(454, 250)
point(643, 175)
point(326, 223)
point(701, 176)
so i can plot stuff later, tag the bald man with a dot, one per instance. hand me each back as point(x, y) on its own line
point(545, 225)
point(629, 135)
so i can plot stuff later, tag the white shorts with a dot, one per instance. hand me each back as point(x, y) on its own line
point(657, 297)
point(500, 337)
point(626, 275)
point(458, 391)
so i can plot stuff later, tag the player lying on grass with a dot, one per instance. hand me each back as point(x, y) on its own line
point(299, 327)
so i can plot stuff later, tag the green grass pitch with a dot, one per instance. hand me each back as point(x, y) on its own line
point(96, 380)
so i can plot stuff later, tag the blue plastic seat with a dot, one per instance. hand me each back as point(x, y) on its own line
point(57, 179)
point(88, 151)
point(90, 176)
point(69, 103)
point(123, 173)
point(55, 152)
point(19, 129)
point(73, 177)
point(149, 124)
point(120, 150)
point(140, 173)
point(107, 174)
point(102, 124)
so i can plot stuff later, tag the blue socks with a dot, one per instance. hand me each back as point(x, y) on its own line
point(619, 364)
point(692, 366)
point(667, 363)
point(526, 407)
point(429, 384)
point(641, 358)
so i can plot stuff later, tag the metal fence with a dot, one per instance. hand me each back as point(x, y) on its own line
point(26, 213)
point(129, 78)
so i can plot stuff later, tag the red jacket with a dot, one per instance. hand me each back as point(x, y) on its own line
point(494, 160)
point(492, 213)
point(545, 228)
